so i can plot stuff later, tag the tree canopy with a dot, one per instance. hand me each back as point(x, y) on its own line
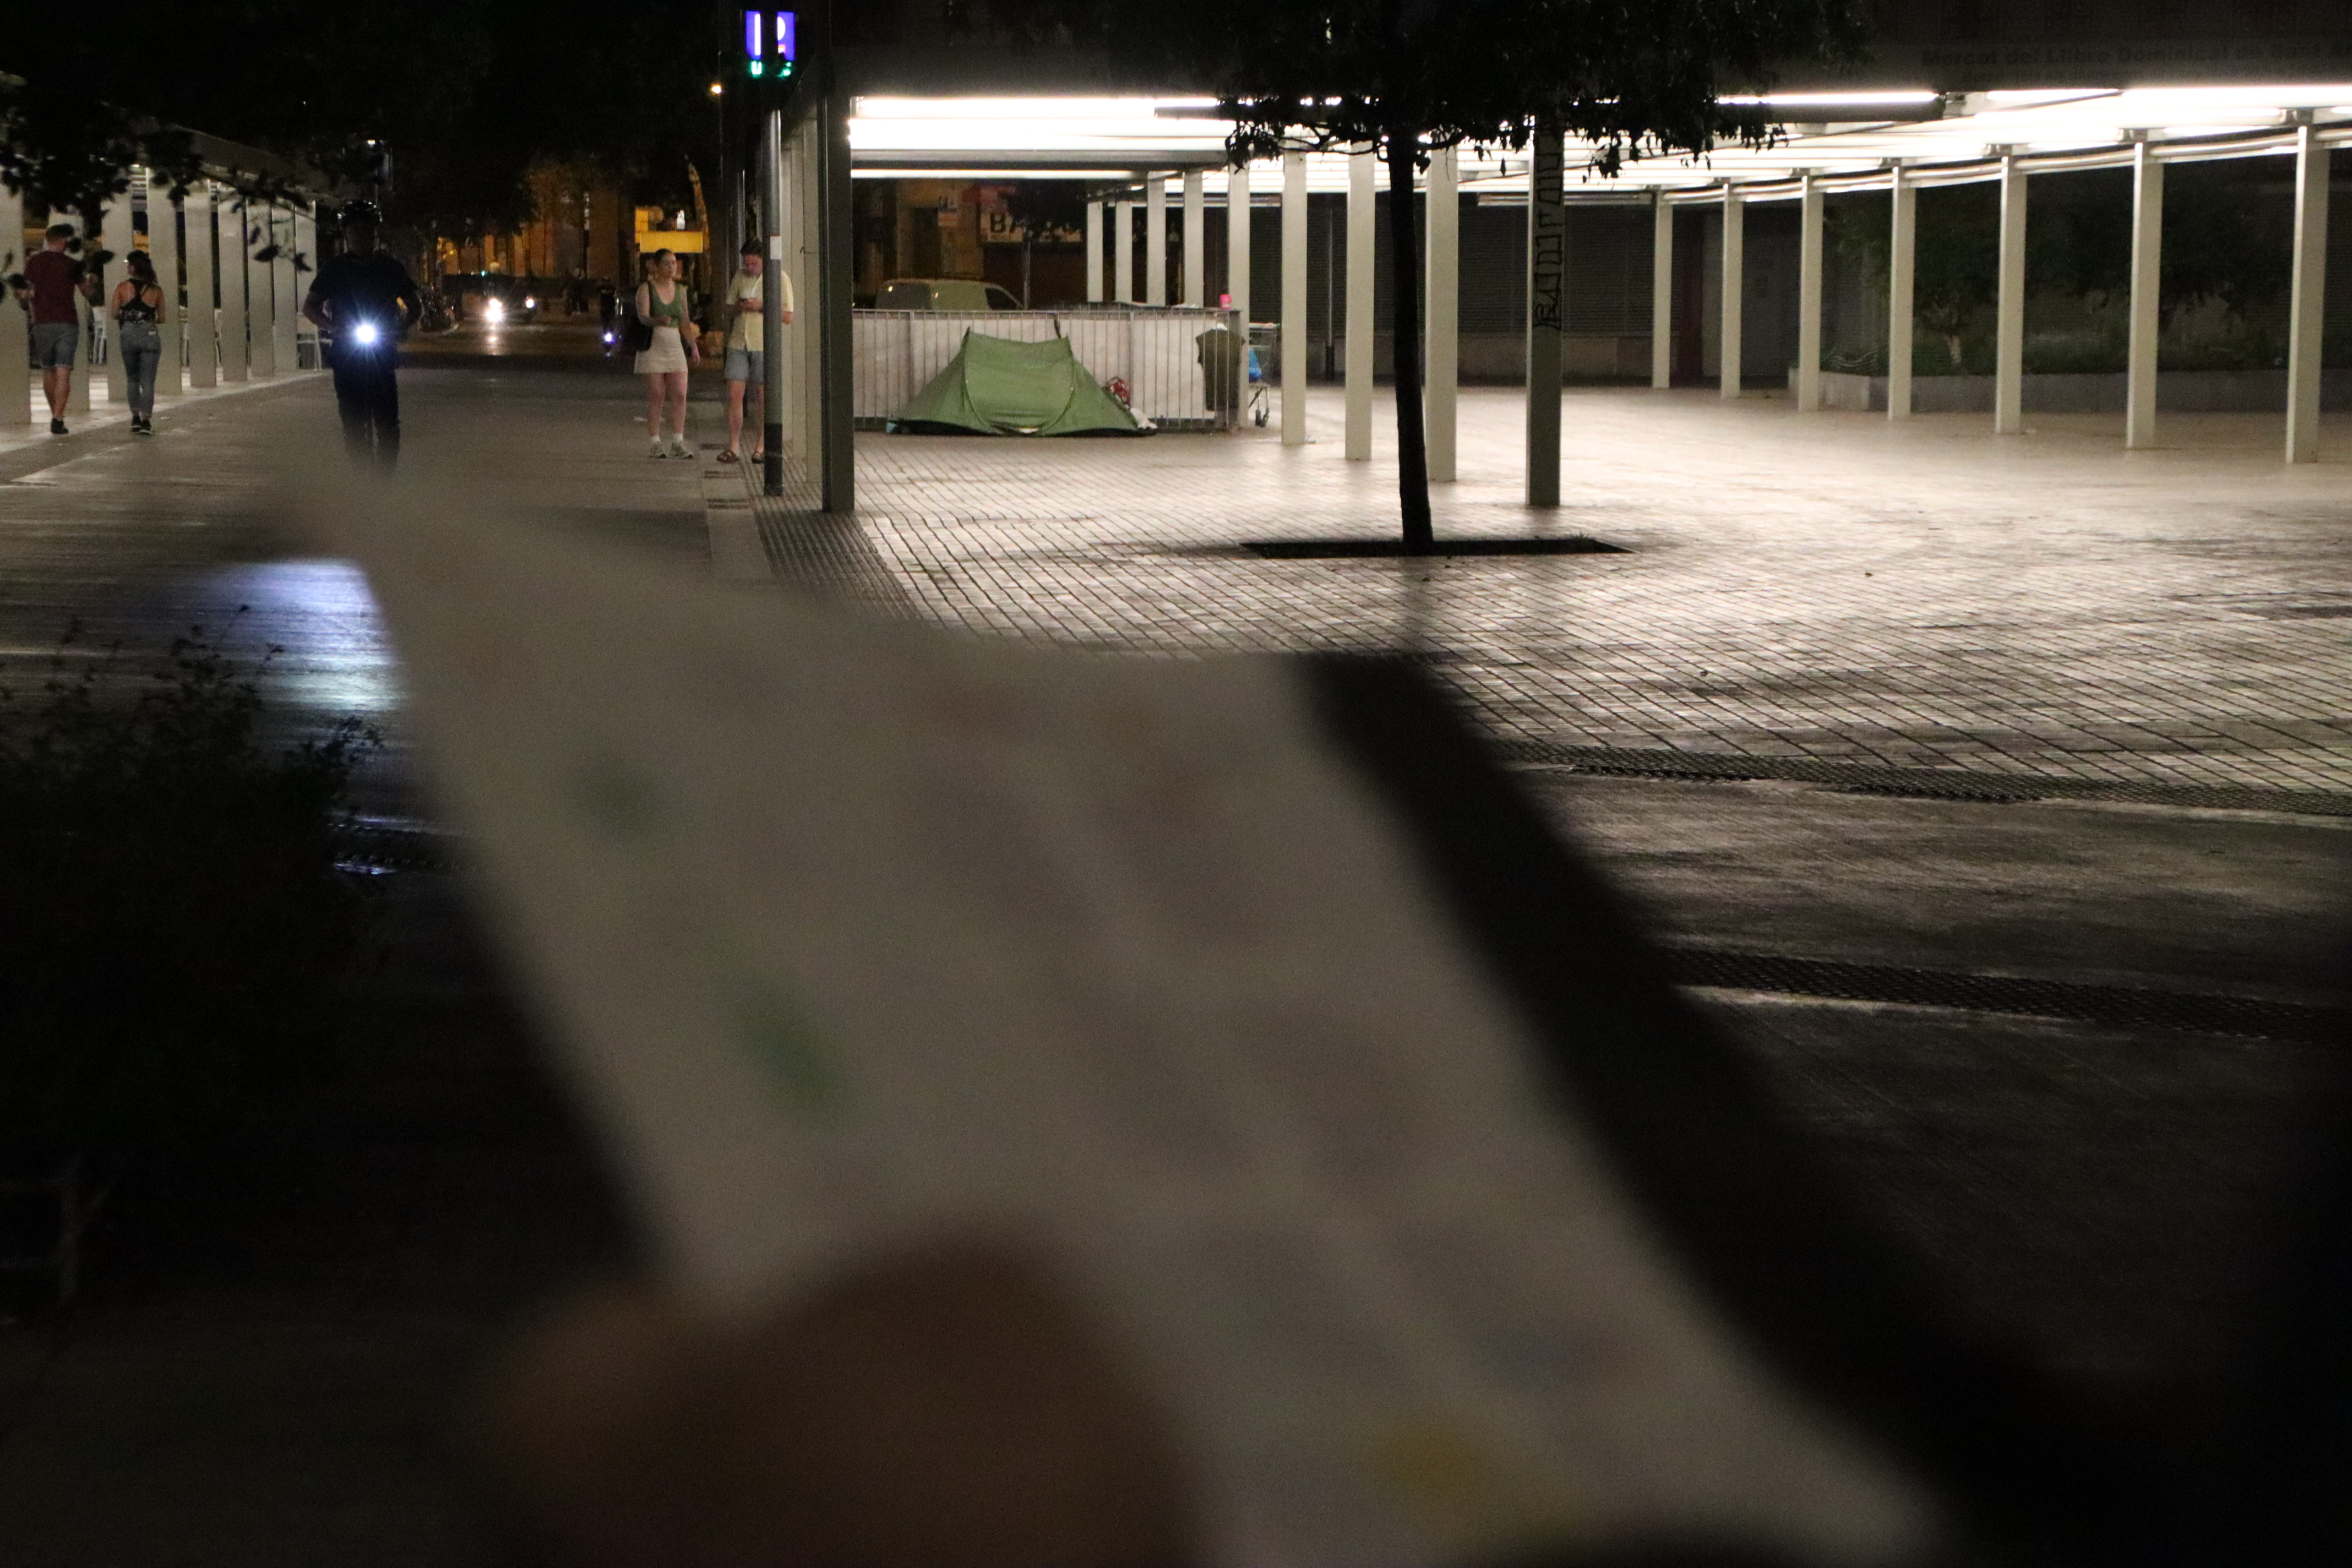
point(465, 98)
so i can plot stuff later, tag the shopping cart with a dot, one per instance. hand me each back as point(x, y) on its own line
point(1265, 364)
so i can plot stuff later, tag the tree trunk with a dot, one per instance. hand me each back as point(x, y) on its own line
point(1402, 147)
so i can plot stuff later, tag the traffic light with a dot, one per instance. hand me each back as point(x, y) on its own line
point(770, 44)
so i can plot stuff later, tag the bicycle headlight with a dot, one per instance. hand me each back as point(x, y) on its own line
point(367, 334)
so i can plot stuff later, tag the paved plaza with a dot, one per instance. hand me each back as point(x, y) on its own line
point(2002, 785)
point(1826, 586)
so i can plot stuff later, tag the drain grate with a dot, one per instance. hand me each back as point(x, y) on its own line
point(1915, 783)
point(2119, 1007)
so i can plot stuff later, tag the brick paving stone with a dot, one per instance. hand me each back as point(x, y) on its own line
point(1828, 586)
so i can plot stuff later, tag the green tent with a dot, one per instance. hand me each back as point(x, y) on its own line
point(999, 387)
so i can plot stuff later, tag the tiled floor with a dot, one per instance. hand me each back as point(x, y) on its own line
point(1822, 586)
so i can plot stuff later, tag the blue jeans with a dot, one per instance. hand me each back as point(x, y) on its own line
point(140, 344)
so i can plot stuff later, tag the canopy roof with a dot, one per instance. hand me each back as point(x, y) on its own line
point(1839, 137)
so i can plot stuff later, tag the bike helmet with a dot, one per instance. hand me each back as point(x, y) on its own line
point(360, 212)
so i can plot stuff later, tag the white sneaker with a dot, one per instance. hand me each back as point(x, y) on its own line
point(657, 452)
point(678, 448)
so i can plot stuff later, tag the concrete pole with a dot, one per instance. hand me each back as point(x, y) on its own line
point(1808, 297)
point(2009, 305)
point(1196, 246)
point(198, 327)
point(1547, 290)
point(1293, 353)
point(1155, 240)
point(1442, 369)
point(805, 395)
point(16, 327)
point(1361, 232)
point(775, 379)
point(2307, 304)
point(163, 250)
point(1094, 253)
point(1902, 272)
point(2147, 282)
point(837, 277)
point(1122, 252)
point(1735, 287)
point(260, 304)
point(1237, 245)
point(230, 217)
point(1662, 292)
point(287, 297)
point(116, 234)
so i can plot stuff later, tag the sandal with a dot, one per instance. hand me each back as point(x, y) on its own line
point(727, 455)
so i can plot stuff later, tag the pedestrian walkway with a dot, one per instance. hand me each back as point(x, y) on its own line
point(1826, 588)
point(29, 446)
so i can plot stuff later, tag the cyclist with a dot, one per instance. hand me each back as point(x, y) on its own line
point(365, 299)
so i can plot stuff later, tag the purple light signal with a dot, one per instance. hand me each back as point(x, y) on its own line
point(786, 46)
point(755, 36)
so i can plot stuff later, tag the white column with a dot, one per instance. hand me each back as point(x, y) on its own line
point(78, 396)
point(306, 251)
point(1735, 285)
point(286, 301)
point(1155, 240)
point(260, 304)
point(163, 250)
point(1237, 242)
point(1094, 253)
point(1441, 369)
point(1808, 297)
point(1902, 271)
point(2009, 305)
point(1662, 292)
point(197, 324)
point(1362, 206)
point(1122, 252)
point(2147, 282)
point(2308, 302)
point(1196, 237)
point(16, 327)
point(116, 234)
point(1293, 353)
point(229, 218)
point(1546, 302)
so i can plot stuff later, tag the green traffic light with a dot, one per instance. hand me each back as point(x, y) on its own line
point(759, 68)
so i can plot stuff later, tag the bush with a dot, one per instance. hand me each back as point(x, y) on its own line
point(173, 930)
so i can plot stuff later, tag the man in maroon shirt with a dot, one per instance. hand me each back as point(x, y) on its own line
point(51, 278)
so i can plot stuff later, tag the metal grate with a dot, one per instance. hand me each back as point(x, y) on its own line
point(2118, 1007)
point(1918, 783)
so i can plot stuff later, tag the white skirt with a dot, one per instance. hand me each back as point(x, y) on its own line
point(666, 357)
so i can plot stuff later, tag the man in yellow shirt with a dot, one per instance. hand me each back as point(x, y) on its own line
point(746, 344)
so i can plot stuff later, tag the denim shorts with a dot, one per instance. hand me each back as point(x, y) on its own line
point(747, 364)
point(54, 343)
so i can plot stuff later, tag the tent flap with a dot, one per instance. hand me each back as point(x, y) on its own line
point(995, 386)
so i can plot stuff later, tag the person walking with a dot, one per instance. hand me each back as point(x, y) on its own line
point(665, 305)
point(138, 336)
point(52, 276)
point(365, 298)
point(747, 362)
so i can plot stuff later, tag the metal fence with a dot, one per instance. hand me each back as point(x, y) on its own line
point(1180, 368)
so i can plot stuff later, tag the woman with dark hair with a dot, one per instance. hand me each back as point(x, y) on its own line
point(139, 337)
point(664, 304)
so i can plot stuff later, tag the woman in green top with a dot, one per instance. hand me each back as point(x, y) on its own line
point(665, 304)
